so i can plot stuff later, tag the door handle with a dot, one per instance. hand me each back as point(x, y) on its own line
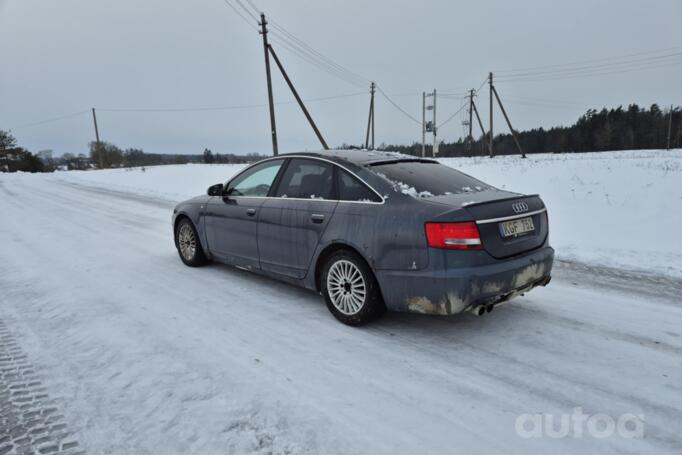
point(250, 212)
point(317, 218)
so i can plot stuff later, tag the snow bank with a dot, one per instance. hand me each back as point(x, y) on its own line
point(621, 209)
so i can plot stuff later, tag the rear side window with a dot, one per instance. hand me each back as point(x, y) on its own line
point(352, 189)
point(307, 179)
point(427, 178)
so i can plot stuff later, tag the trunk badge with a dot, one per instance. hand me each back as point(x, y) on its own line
point(520, 207)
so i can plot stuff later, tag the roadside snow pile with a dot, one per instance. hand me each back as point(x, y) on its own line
point(620, 209)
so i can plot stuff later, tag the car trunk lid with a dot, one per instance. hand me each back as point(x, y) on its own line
point(509, 223)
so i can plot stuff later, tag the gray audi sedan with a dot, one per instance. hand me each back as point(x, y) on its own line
point(372, 231)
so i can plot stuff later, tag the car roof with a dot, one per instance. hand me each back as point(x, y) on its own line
point(360, 157)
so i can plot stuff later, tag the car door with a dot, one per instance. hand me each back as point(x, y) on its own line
point(291, 223)
point(231, 219)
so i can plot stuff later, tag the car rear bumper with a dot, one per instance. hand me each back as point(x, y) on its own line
point(445, 291)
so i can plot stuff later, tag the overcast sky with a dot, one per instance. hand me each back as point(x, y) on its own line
point(66, 56)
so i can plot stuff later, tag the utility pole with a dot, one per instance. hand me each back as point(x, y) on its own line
point(670, 126)
point(97, 142)
point(298, 99)
point(423, 124)
point(471, 104)
point(490, 83)
point(94, 120)
point(506, 117)
point(271, 103)
point(370, 119)
point(372, 89)
point(430, 126)
point(480, 124)
point(435, 139)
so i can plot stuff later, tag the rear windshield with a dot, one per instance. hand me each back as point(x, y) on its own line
point(428, 178)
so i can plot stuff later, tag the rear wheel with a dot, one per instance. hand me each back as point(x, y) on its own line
point(188, 244)
point(350, 289)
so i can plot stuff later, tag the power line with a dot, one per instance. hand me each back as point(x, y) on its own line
point(541, 102)
point(596, 71)
point(541, 105)
point(397, 106)
point(456, 96)
point(301, 49)
point(403, 94)
point(591, 73)
point(183, 109)
point(646, 62)
point(53, 119)
point(453, 115)
point(223, 108)
point(255, 8)
point(658, 59)
point(240, 14)
point(582, 62)
point(313, 60)
point(485, 81)
point(247, 11)
point(318, 54)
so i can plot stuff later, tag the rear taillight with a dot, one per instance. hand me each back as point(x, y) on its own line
point(453, 236)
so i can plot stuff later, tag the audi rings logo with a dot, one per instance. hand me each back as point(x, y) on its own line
point(520, 207)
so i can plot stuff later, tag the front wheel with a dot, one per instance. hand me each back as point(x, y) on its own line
point(350, 289)
point(188, 244)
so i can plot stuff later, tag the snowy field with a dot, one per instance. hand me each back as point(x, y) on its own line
point(619, 209)
point(142, 355)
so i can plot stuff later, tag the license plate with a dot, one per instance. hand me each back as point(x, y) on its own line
point(517, 227)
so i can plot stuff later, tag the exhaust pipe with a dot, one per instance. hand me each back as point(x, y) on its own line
point(477, 310)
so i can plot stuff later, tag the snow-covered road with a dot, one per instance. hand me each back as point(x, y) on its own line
point(145, 355)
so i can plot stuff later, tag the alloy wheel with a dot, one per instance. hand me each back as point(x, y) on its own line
point(187, 241)
point(346, 287)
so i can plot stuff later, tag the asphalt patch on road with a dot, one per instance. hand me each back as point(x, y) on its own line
point(30, 422)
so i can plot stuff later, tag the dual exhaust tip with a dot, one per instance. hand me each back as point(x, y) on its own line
point(480, 310)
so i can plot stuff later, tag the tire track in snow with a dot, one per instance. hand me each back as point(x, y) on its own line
point(670, 288)
point(29, 421)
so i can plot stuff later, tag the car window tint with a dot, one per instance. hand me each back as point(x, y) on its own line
point(352, 189)
point(256, 181)
point(426, 178)
point(307, 179)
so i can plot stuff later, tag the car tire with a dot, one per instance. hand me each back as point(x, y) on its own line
point(188, 244)
point(350, 289)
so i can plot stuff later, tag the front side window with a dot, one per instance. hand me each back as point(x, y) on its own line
point(352, 189)
point(255, 182)
point(307, 179)
point(428, 178)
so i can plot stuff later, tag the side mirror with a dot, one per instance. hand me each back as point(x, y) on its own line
point(215, 190)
